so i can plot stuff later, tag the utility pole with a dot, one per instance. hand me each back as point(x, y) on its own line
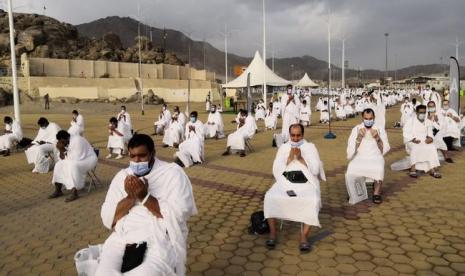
point(140, 61)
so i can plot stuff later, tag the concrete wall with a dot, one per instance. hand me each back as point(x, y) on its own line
point(93, 88)
point(97, 69)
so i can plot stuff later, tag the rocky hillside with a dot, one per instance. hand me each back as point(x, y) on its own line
point(41, 36)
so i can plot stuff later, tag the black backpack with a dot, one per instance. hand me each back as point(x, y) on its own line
point(259, 225)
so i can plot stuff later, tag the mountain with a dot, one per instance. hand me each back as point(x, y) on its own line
point(45, 37)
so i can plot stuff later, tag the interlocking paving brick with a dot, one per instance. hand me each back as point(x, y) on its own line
point(412, 232)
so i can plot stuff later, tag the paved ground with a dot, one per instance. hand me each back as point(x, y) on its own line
point(419, 229)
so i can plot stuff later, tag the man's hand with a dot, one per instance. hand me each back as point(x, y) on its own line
point(153, 206)
point(135, 188)
point(122, 209)
point(428, 140)
point(374, 133)
point(416, 141)
point(192, 128)
point(41, 142)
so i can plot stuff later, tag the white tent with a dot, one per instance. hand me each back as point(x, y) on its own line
point(306, 82)
point(255, 69)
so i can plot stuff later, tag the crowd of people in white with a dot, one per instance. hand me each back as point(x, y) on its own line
point(142, 209)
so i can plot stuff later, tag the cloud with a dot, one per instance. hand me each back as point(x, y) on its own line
point(421, 31)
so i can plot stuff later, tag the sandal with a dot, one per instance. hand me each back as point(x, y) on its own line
point(377, 199)
point(436, 175)
point(72, 197)
point(270, 244)
point(413, 174)
point(305, 247)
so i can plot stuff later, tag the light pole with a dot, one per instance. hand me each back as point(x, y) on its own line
point(330, 134)
point(140, 61)
point(343, 76)
point(386, 65)
point(264, 53)
point(13, 64)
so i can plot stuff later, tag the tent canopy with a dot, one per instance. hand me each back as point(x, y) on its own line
point(255, 69)
point(306, 82)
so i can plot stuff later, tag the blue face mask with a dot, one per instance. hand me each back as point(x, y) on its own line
point(139, 168)
point(368, 123)
point(193, 119)
point(297, 144)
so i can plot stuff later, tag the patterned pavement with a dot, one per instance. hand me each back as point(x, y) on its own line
point(418, 230)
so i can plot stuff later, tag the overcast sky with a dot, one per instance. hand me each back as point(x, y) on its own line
point(420, 31)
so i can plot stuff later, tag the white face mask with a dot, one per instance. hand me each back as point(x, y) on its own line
point(297, 144)
point(421, 117)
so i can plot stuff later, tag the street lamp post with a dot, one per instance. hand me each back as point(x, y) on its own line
point(140, 61)
point(330, 134)
point(264, 52)
point(14, 76)
point(386, 65)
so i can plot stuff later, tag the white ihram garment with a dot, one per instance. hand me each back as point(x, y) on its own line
point(423, 156)
point(77, 128)
point(80, 158)
point(214, 125)
point(6, 140)
point(115, 141)
point(192, 149)
point(236, 140)
point(306, 205)
point(39, 154)
point(290, 115)
point(173, 134)
point(271, 120)
point(166, 238)
point(305, 113)
point(367, 160)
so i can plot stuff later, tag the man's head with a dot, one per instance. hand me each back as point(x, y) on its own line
point(445, 104)
point(431, 106)
point(123, 108)
point(433, 89)
point(114, 121)
point(141, 149)
point(414, 101)
point(7, 120)
point(421, 112)
point(164, 106)
point(304, 102)
point(296, 133)
point(213, 108)
point(42, 122)
point(368, 116)
point(427, 86)
point(176, 109)
point(75, 113)
point(193, 116)
point(243, 113)
point(289, 89)
point(63, 138)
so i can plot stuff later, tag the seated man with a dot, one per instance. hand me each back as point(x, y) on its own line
point(173, 133)
point(451, 125)
point(147, 204)
point(271, 119)
point(214, 127)
point(191, 150)
point(439, 128)
point(13, 133)
point(77, 157)
point(366, 148)
point(42, 147)
point(77, 124)
point(418, 140)
point(340, 111)
point(305, 114)
point(296, 194)
point(163, 122)
point(245, 130)
point(324, 113)
point(260, 111)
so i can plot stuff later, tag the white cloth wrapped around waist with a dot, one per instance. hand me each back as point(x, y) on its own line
point(304, 207)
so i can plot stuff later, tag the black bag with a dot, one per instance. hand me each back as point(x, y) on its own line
point(259, 225)
point(24, 143)
point(133, 256)
point(295, 177)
